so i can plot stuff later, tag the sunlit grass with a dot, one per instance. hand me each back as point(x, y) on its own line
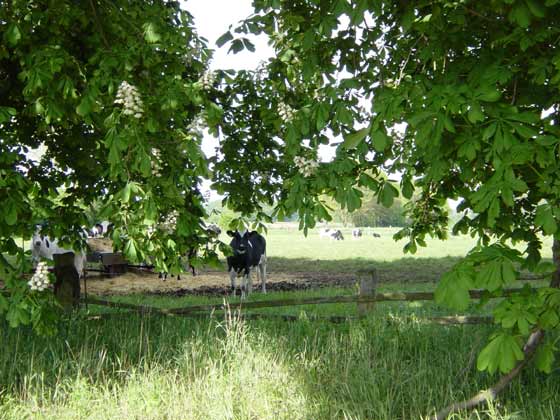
point(223, 368)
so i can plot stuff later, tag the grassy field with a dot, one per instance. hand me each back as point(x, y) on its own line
point(290, 251)
point(388, 366)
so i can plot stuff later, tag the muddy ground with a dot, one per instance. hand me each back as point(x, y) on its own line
point(206, 283)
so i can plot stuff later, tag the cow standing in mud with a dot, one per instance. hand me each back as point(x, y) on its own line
point(249, 252)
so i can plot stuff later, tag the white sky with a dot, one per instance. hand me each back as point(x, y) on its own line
point(212, 19)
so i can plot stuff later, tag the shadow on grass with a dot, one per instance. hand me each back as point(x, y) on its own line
point(402, 270)
point(223, 368)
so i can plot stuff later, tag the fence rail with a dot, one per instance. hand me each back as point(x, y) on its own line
point(378, 297)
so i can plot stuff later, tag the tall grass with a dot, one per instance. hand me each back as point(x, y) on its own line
point(141, 367)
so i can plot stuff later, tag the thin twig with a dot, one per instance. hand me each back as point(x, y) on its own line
point(98, 24)
point(475, 13)
point(513, 97)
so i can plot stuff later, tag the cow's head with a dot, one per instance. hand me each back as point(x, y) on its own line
point(38, 236)
point(240, 242)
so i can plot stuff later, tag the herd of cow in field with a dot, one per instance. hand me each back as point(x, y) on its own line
point(336, 234)
point(248, 252)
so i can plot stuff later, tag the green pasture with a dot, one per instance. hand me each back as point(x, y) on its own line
point(290, 251)
point(108, 363)
point(387, 366)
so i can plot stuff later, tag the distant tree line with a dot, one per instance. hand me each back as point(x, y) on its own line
point(371, 214)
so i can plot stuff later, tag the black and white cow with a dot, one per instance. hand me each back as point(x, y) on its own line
point(249, 251)
point(376, 235)
point(325, 233)
point(101, 229)
point(336, 234)
point(356, 233)
point(44, 247)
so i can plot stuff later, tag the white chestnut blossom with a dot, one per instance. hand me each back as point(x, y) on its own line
point(207, 80)
point(155, 162)
point(286, 112)
point(306, 167)
point(40, 280)
point(196, 127)
point(129, 97)
point(169, 223)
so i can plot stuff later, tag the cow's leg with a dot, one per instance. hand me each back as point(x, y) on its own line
point(262, 270)
point(232, 277)
point(249, 283)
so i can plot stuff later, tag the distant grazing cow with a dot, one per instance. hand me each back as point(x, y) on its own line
point(325, 233)
point(336, 235)
point(45, 247)
point(249, 251)
point(101, 229)
point(356, 233)
point(376, 235)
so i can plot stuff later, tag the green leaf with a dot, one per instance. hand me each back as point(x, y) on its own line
point(343, 115)
point(150, 33)
point(6, 113)
point(130, 250)
point(490, 275)
point(544, 218)
point(236, 46)
point(493, 212)
point(475, 113)
point(488, 94)
point(10, 213)
point(387, 194)
point(125, 193)
point(536, 8)
point(85, 107)
point(545, 267)
point(407, 188)
point(544, 357)
point(379, 139)
point(17, 315)
point(4, 304)
point(13, 34)
point(447, 123)
point(248, 44)
point(520, 14)
point(453, 289)
point(352, 140)
point(322, 115)
point(353, 200)
point(502, 353)
point(224, 38)
point(508, 272)
point(549, 319)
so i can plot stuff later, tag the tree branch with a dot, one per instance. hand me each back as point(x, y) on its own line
point(99, 27)
point(490, 394)
point(528, 350)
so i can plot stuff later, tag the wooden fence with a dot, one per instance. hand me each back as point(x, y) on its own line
point(365, 302)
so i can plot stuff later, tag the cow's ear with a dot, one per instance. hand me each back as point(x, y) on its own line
point(231, 233)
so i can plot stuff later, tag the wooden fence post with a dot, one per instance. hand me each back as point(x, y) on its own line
point(67, 284)
point(368, 282)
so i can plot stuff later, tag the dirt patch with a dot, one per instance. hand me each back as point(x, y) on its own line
point(207, 283)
